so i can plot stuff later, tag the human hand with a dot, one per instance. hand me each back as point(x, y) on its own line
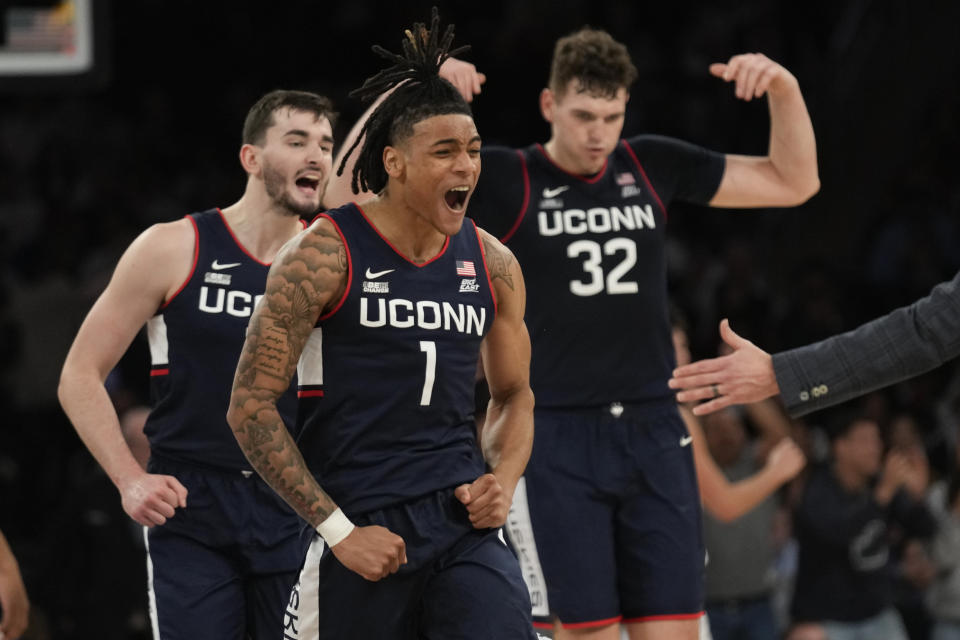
point(464, 76)
point(374, 552)
point(754, 75)
point(15, 605)
point(486, 501)
point(746, 375)
point(151, 498)
point(896, 471)
point(786, 459)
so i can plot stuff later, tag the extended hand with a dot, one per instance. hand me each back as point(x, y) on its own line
point(374, 552)
point(151, 498)
point(754, 74)
point(486, 501)
point(464, 76)
point(742, 377)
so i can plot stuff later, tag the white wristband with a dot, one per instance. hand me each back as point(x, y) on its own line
point(335, 528)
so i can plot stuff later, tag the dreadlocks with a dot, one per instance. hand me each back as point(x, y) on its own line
point(419, 93)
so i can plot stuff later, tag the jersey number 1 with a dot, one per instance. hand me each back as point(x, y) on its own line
point(430, 348)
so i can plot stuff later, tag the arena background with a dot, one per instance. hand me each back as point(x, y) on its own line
point(152, 133)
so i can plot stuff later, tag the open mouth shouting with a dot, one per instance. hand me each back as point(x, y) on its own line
point(309, 183)
point(456, 198)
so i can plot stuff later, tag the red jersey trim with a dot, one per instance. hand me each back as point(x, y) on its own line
point(643, 173)
point(346, 290)
point(234, 236)
point(542, 625)
point(443, 250)
point(486, 269)
point(590, 180)
point(671, 616)
point(159, 372)
point(193, 267)
point(591, 623)
point(310, 393)
point(526, 198)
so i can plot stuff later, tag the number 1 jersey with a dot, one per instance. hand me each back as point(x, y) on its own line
point(387, 378)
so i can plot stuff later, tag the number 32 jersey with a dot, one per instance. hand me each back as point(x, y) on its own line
point(387, 378)
point(592, 249)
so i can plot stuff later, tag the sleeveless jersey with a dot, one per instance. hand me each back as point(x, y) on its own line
point(195, 344)
point(386, 378)
point(592, 252)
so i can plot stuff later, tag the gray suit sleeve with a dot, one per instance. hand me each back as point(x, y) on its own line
point(900, 345)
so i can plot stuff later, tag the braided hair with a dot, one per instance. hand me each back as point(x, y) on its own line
point(419, 93)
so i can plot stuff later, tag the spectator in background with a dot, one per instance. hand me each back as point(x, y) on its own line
point(741, 552)
point(844, 575)
point(943, 597)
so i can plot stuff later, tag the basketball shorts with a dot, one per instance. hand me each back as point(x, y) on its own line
point(459, 583)
point(223, 567)
point(606, 521)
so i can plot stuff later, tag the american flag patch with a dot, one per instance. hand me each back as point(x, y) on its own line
point(625, 179)
point(465, 268)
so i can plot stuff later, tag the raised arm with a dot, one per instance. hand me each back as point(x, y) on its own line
point(787, 175)
point(309, 274)
point(726, 500)
point(150, 271)
point(462, 75)
point(507, 435)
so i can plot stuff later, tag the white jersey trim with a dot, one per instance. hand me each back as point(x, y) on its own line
point(520, 530)
point(157, 336)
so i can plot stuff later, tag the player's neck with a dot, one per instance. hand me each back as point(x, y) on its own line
point(406, 231)
point(568, 162)
point(262, 230)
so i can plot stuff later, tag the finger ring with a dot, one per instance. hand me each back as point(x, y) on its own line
point(716, 390)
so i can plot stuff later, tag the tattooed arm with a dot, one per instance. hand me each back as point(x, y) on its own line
point(308, 276)
point(507, 435)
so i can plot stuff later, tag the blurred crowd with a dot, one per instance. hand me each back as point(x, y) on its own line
point(82, 174)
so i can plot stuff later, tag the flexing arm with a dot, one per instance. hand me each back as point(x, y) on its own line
point(462, 75)
point(729, 500)
point(507, 436)
point(151, 270)
point(14, 604)
point(309, 273)
point(787, 175)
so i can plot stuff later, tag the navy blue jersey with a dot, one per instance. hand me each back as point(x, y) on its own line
point(195, 343)
point(592, 251)
point(386, 378)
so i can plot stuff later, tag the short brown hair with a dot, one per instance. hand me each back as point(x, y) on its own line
point(600, 64)
point(260, 116)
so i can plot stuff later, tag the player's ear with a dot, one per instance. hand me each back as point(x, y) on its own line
point(250, 159)
point(394, 162)
point(548, 103)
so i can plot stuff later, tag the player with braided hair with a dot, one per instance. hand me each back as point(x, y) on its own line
point(383, 312)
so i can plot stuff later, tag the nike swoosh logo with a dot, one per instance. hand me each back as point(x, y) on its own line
point(686, 440)
point(553, 193)
point(217, 266)
point(376, 274)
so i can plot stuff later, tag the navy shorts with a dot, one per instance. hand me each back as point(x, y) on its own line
point(223, 567)
point(607, 517)
point(459, 583)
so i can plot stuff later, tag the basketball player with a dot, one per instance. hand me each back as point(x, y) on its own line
point(223, 551)
point(611, 474)
point(386, 308)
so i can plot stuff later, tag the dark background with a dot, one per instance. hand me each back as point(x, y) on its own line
point(153, 134)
